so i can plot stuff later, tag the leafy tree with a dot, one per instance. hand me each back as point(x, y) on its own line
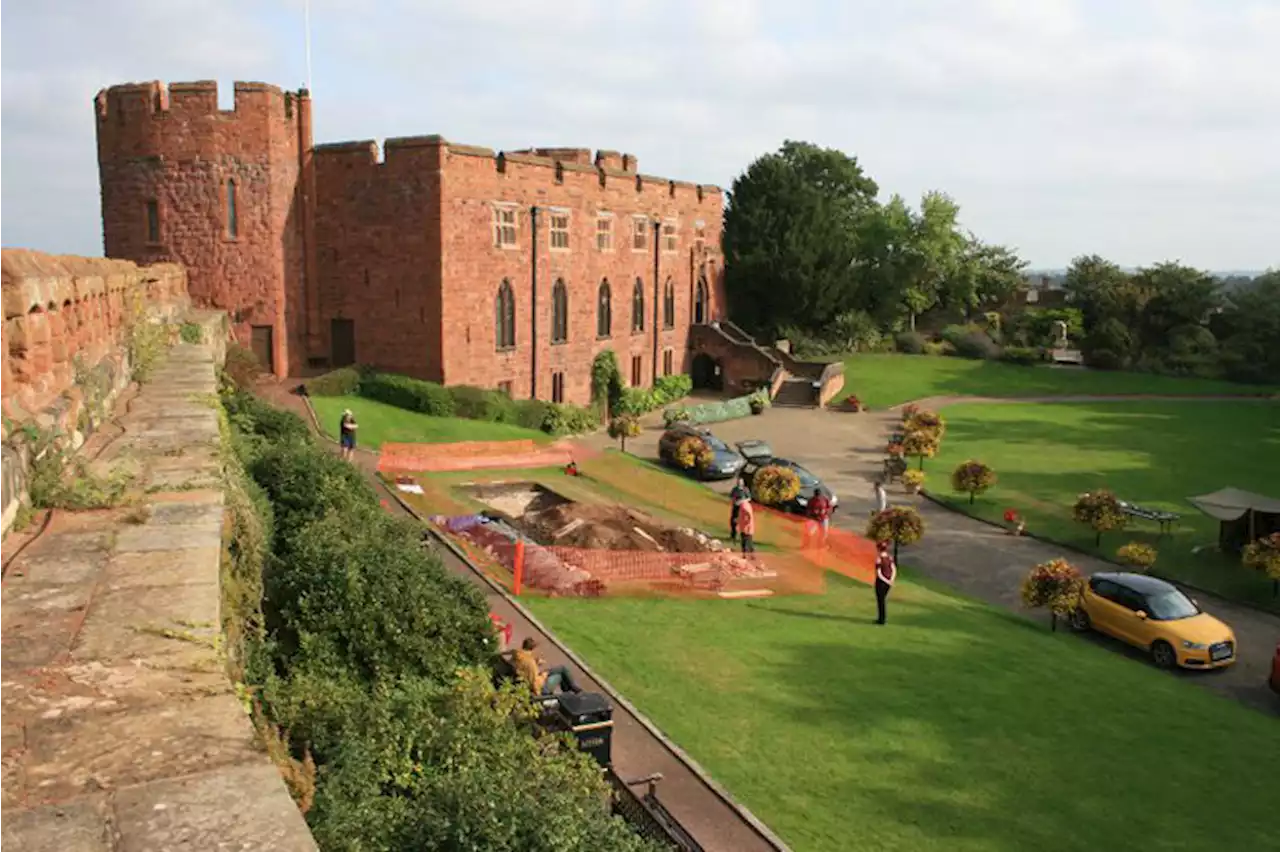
point(1249, 330)
point(984, 274)
point(1109, 346)
point(791, 237)
point(1055, 585)
point(1177, 296)
point(624, 426)
point(898, 524)
point(1101, 511)
point(1100, 289)
point(774, 484)
point(906, 257)
point(973, 478)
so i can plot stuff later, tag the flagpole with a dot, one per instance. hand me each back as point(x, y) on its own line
point(306, 13)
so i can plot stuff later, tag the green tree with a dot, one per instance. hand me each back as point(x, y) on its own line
point(1249, 330)
point(1177, 296)
point(1099, 288)
point(790, 238)
point(985, 274)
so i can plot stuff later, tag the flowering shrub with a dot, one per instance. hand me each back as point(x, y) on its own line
point(909, 411)
point(674, 415)
point(852, 402)
point(1137, 555)
point(913, 479)
point(925, 421)
point(624, 426)
point(1264, 555)
point(693, 452)
point(898, 524)
point(922, 445)
point(1056, 586)
point(1100, 510)
point(972, 477)
point(774, 484)
point(1010, 516)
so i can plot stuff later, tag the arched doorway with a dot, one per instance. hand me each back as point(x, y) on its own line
point(701, 306)
point(706, 373)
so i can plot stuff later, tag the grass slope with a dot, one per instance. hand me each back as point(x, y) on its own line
point(1150, 453)
point(882, 380)
point(381, 423)
point(955, 727)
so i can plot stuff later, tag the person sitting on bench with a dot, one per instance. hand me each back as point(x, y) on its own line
point(533, 670)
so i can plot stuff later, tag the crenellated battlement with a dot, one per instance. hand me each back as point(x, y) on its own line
point(191, 99)
point(606, 166)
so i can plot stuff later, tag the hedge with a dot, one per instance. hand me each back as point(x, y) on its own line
point(665, 391)
point(369, 673)
point(465, 401)
point(710, 412)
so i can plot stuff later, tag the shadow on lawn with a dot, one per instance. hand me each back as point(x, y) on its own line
point(1030, 747)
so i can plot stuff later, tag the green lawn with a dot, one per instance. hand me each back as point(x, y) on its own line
point(381, 423)
point(1150, 453)
point(884, 380)
point(955, 727)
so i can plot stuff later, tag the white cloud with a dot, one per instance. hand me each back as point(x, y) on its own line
point(1140, 130)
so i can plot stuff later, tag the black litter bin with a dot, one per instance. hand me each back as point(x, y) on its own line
point(589, 715)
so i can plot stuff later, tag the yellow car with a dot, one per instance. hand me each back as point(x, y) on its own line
point(1155, 616)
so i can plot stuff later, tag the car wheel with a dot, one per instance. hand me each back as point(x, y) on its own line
point(1163, 656)
point(1079, 620)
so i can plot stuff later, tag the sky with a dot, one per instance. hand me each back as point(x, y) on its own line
point(1141, 130)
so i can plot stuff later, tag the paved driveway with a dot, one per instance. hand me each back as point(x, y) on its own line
point(846, 450)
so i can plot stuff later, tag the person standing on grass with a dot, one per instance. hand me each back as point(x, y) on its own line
point(886, 573)
point(347, 433)
point(747, 526)
point(737, 496)
point(820, 511)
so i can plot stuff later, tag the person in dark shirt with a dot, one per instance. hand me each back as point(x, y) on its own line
point(737, 496)
point(886, 573)
point(347, 433)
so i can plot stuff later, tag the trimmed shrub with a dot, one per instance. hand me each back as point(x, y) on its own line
point(565, 419)
point(711, 412)
point(1056, 586)
point(341, 382)
point(532, 413)
point(913, 479)
point(774, 485)
point(898, 524)
point(668, 389)
point(910, 342)
point(1138, 556)
point(665, 391)
point(976, 345)
point(1101, 511)
point(410, 394)
point(475, 403)
point(973, 478)
point(678, 414)
point(1021, 355)
point(938, 348)
point(921, 444)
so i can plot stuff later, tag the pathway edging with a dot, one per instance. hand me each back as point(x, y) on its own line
point(692, 765)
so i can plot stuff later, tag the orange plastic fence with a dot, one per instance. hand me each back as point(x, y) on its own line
point(472, 455)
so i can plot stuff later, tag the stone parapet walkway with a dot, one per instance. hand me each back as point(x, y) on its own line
point(121, 730)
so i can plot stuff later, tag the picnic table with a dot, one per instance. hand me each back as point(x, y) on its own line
point(1166, 520)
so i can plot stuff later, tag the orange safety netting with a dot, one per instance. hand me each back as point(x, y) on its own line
point(471, 455)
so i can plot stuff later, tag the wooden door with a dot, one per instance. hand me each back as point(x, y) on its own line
point(342, 342)
point(264, 349)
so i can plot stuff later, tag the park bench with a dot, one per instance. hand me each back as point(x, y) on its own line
point(646, 815)
point(1166, 520)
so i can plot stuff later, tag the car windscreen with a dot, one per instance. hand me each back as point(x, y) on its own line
point(807, 479)
point(716, 444)
point(1170, 606)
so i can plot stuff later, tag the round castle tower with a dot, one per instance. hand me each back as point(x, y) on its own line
point(223, 192)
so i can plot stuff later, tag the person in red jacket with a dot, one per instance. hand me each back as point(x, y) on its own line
point(747, 526)
point(886, 573)
point(820, 511)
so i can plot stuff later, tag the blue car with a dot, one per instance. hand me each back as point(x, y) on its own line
point(726, 462)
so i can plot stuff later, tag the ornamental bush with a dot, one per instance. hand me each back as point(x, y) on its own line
point(1056, 586)
point(408, 393)
point(475, 403)
point(898, 524)
point(344, 381)
point(774, 485)
point(913, 478)
point(921, 445)
point(924, 420)
point(1138, 556)
point(1263, 555)
point(973, 478)
point(622, 427)
point(1101, 511)
point(693, 453)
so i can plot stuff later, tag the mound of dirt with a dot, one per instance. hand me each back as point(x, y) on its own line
point(600, 527)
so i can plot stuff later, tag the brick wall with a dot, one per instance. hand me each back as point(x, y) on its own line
point(172, 147)
point(475, 180)
point(65, 357)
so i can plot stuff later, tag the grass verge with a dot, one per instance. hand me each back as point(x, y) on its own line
point(381, 423)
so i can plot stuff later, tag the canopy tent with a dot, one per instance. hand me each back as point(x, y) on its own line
point(1243, 515)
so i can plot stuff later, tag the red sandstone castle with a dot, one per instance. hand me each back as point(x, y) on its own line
point(443, 261)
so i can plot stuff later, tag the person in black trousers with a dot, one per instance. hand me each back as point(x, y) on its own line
point(736, 498)
point(886, 573)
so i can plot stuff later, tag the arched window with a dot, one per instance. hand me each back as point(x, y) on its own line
point(559, 312)
point(669, 305)
point(700, 306)
point(504, 316)
point(637, 307)
point(604, 311)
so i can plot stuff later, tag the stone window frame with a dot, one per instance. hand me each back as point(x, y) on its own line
point(558, 232)
point(604, 230)
point(640, 226)
point(668, 361)
point(670, 238)
point(557, 386)
point(559, 312)
point(701, 301)
point(504, 317)
point(669, 304)
point(604, 310)
point(506, 223)
point(151, 210)
point(231, 209)
point(637, 306)
point(637, 371)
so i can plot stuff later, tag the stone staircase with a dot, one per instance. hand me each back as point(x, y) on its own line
point(803, 384)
